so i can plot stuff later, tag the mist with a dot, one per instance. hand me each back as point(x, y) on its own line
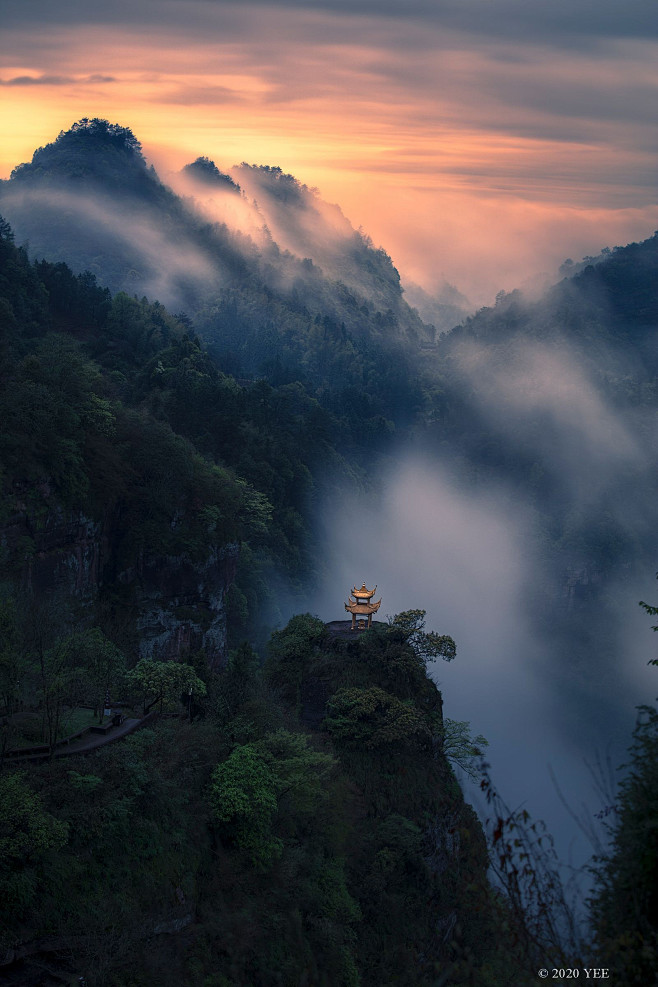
point(134, 251)
point(293, 225)
point(538, 580)
point(222, 205)
point(552, 647)
point(543, 399)
point(468, 558)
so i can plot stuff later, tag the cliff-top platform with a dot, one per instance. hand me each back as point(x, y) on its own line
point(343, 628)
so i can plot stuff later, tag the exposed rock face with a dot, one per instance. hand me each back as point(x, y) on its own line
point(342, 629)
point(179, 604)
point(56, 552)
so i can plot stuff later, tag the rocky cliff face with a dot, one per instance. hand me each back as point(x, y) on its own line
point(54, 552)
point(181, 604)
point(178, 605)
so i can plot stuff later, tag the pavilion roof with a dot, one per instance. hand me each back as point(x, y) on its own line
point(362, 608)
point(363, 593)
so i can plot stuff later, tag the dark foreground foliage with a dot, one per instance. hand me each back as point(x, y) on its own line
point(624, 907)
point(246, 849)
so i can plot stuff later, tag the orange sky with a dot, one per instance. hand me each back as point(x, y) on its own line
point(477, 149)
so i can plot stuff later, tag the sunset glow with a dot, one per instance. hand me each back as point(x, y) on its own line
point(473, 143)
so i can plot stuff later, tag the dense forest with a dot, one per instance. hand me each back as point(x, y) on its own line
point(289, 812)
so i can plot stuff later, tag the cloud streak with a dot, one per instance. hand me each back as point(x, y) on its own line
point(55, 80)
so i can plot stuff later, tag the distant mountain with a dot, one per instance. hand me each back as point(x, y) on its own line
point(90, 199)
point(205, 172)
point(535, 380)
point(444, 308)
point(612, 298)
point(276, 249)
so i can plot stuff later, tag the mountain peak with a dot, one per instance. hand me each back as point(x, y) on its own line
point(91, 148)
point(206, 172)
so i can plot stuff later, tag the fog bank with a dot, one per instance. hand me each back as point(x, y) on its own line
point(469, 558)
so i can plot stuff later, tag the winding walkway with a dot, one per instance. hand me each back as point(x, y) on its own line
point(89, 742)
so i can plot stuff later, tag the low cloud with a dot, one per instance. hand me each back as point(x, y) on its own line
point(275, 207)
point(473, 559)
point(542, 398)
point(164, 267)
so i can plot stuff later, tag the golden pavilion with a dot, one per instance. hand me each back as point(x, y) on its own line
point(360, 606)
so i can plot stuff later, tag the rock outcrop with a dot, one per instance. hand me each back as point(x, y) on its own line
point(177, 604)
point(181, 604)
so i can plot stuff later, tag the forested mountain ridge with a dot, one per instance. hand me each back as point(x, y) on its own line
point(91, 198)
point(611, 302)
point(573, 373)
point(115, 417)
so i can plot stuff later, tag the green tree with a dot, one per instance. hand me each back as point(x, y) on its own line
point(302, 773)
point(13, 670)
point(62, 685)
point(27, 833)
point(54, 677)
point(624, 906)
point(164, 682)
point(375, 720)
point(6, 232)
point(243, 799)
point(104, 664)
point(269, 789)
point(428, 645)
point(291, 651)
point(461, 748)
point(241, 679)
point(50, 408)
